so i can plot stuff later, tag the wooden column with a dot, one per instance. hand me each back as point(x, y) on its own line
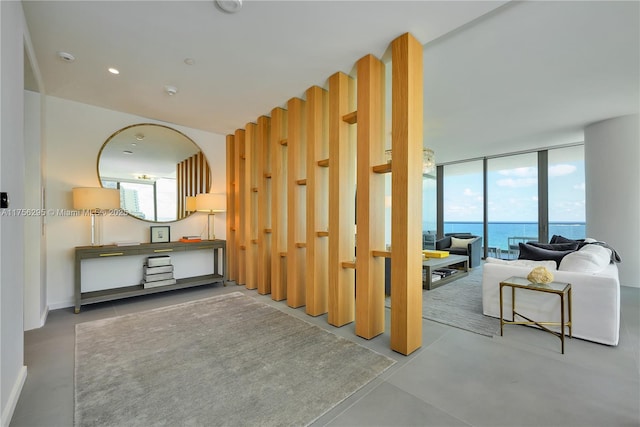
point(296, 206)
point(342, 190)
point(317, 281)
point(240, 179)
point(264, 204)
point(406, 205)
point(251, 201)
point(370, 199)
point(279, 203)
point(232, 193)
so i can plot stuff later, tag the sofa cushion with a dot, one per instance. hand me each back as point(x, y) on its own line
point(534, 253)
point(568, 246)
point(457, 243)
point(589, 259)
point(550, 265)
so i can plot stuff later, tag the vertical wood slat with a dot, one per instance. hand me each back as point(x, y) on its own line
point(263, 210)
point(342, 188)
point(232, 258)
point(317, 280)
point(406, 184)
point(241, 210)
point(370, 198)
point(278, 204)
point(296, 206)
point(193, 177)
point(251, 201)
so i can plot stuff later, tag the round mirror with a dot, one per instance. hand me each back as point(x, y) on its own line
point(155, 168)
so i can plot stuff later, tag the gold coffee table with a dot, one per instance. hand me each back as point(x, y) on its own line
point(559, 288)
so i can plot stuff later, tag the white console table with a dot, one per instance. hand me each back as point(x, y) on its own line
point(110, 251)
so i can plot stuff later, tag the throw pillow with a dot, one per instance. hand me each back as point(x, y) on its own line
point(460, 243)
point(589, 259)
point(531, 252)
point(561, 239)
point(551, 265)
point(568, 246)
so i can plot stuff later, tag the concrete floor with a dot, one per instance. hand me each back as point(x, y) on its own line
point(457, 378)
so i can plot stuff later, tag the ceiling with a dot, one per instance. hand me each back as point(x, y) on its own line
point(498, 76)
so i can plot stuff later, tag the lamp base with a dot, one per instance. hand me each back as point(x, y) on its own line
point(211, 235)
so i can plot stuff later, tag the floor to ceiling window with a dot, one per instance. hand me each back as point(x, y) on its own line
point(567, 192)
point(463, 198)
point(512, 202)
point(518, 198)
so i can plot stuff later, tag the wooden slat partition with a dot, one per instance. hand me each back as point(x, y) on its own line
point(278, 203)
point(317, 280)
point(406, 205)
point(251, 200)
point(232, 257)
point(264, 204)
point(370, 198)
point(193, 177)
point(296, 165)
point(342, 190)
point(241, 208)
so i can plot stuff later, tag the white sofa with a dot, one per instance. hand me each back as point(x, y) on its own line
point(595, 295)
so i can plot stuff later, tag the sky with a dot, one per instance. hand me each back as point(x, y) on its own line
point(512, 190)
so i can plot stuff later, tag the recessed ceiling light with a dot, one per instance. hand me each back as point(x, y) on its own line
point(171, 90)
point(139, 136)
point(66, 56)
point(128, 152)
point(114, 71)
point(189, 61)
point(230, 6)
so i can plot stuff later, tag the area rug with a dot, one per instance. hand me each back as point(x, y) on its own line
point(229, 360)
point(459, 304)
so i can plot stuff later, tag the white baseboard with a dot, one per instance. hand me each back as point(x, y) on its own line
point(59, 305)
point(10, 407)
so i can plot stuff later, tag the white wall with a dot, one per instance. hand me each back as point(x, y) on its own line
point(12, 369)
point(612, 156)
point(75, 133)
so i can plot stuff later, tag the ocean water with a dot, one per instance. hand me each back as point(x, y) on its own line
point(500, 232)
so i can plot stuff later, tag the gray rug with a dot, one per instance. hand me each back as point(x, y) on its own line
point(223, 361)
point(459, 304)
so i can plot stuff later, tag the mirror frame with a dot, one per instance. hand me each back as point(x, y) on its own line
point(199, 150)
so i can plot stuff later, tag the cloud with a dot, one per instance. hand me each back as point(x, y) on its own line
point(520, 172)
point(561, 170)
point(517, 183)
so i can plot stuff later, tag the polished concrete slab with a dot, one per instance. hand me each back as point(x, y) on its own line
point(456, 378)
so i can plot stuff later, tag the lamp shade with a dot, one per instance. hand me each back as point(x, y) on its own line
point(96, 198)
point(190, 203)
point(209, 202)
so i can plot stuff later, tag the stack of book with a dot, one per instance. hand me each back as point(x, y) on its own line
point(158, 271)
point(190, 239)
point(441, 273)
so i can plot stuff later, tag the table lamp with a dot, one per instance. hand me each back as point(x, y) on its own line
point(211, 203)
point(95, 200)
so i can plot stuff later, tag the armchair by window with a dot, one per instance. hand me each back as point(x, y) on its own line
point(471, 246)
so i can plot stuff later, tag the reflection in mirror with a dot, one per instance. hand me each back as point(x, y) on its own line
point(155, 168)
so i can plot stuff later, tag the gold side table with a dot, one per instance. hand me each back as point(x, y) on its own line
point(563, 290)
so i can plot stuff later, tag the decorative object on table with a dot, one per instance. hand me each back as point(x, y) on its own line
point(427, 253)
point(211, 203)
point(158, 271)
point(540, 275)
point(96, 200)
point(190, 239)
point(160, 234)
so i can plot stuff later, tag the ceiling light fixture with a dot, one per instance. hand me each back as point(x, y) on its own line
point(171, 90)
point(139, 136)
point(189, 61)
point(114, 71)
point(229, 6)
point(66, 56)
point(127, 152)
